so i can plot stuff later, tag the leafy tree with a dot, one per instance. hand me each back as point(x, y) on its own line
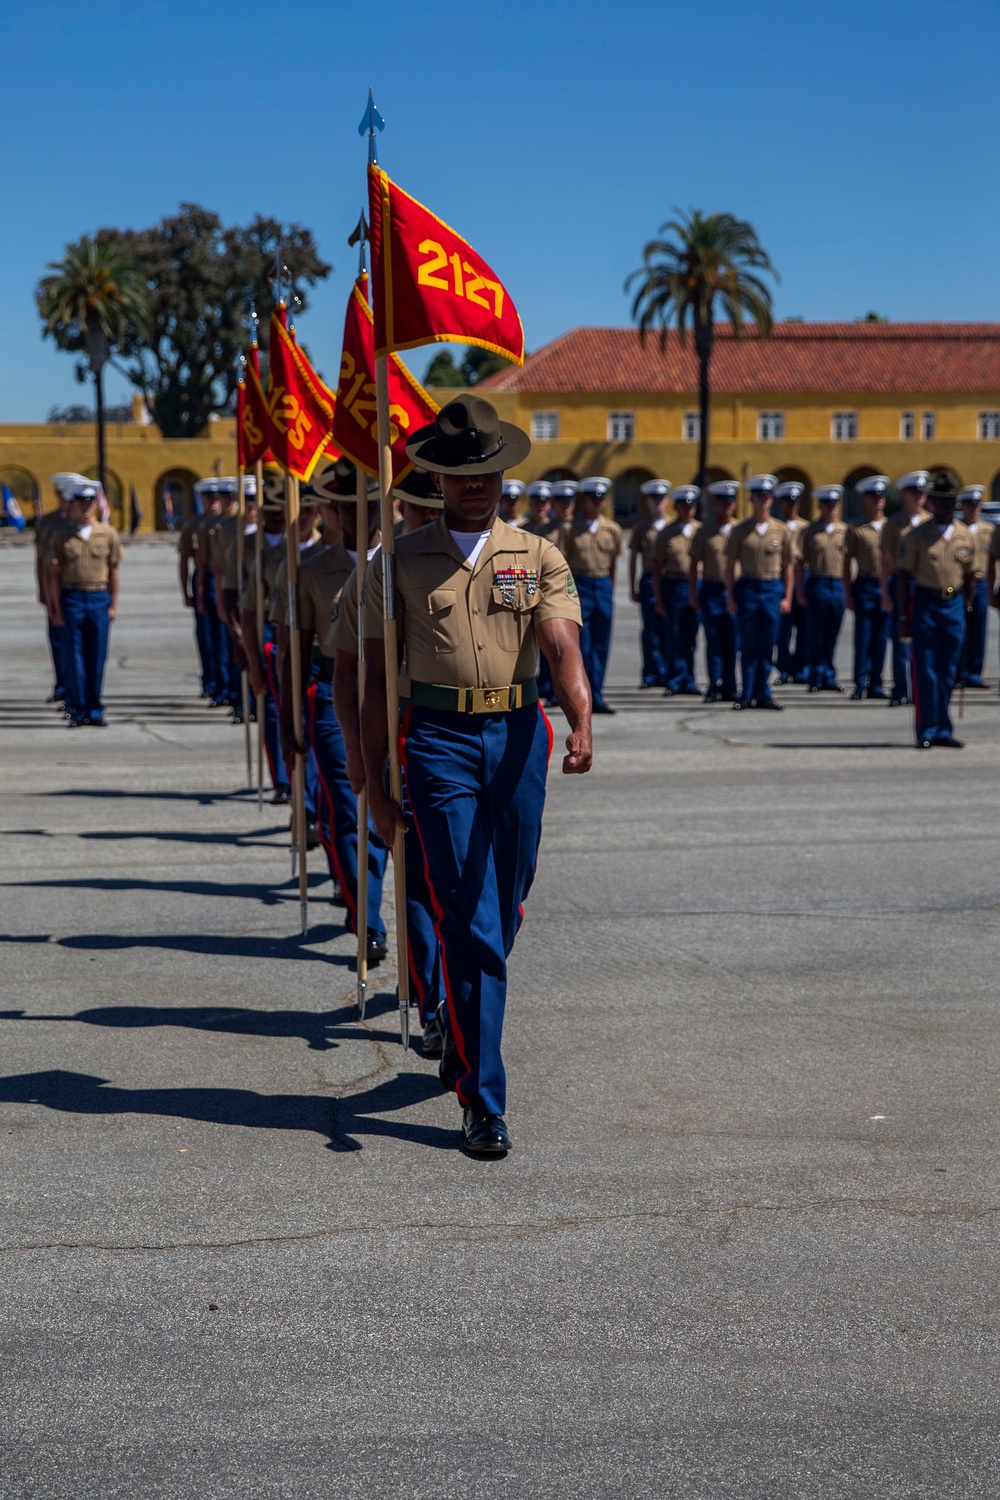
point(93, 302)
point(202, 279)
point(477, 364)
point(711, 257)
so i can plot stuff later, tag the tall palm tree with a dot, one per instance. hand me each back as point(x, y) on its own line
point(88, 302)
point(712, 256)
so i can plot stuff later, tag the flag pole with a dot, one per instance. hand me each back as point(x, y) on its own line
point(371, 123)
point(259, 607)
point(299, 832)
point(361, 494)
point(241, 555)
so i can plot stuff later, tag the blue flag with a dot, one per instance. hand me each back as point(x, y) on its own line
point(13, 515)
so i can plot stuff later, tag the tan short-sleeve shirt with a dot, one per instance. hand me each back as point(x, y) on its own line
point(591, 554)
point(185, 542)
point(269, 558)
point(277, 607)
point(86, 562)
point(465, 625)
point(672, 550)
point(823, 550)
point(896, 527)
point(796, 530)
point(230, 569)
point(644, 538)
point(983, 535)
point(322, 579)
point(761, 555)
point(864, 545)
point(936, 561)
point(708, 550)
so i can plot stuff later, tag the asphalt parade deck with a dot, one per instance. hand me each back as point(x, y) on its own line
point(746, 1244)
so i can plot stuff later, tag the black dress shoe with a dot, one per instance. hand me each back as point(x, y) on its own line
point(783, 677)
point(857, 695)
point(895, 702)
point(377, 948)
point(281, 798)
point(711, 697)
point(99, 723)
point(55, 697)
point(831, 687)
point(604, 708)
point(433, 1042)
point(337, 897)
point(877, 693)
point(740, 703)
point(312, 836)
point(951, 743)
point(484, 1135)
point(925, 744)
point(451, 1063)
point(644, 685)
point(769, 703)
point(814, 689)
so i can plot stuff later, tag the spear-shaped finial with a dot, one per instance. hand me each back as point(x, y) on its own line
point(370, 124)
point(359, 237)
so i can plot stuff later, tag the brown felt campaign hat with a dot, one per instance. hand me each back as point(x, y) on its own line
point(468, 437)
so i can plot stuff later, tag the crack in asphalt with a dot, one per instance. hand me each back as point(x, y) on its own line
point(688, 1217)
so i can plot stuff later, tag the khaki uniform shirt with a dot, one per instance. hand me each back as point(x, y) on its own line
point(201, 540)
point(708, 548)
point(823, 551)
point(463, 625)
point(277, 611)
point(937, 563)
point(230, 570)
point(550, 530)
point(644, 538)
point(86, 562)
point(984, 535)
point(796, 530)
point(591, 554)
point(272, 557)
point(47, 532)
point(864, 545)
point(343, 632)
point(672, 549)
point(898, 526)
point(185, 542)
point(322, 579)
point(762, 557)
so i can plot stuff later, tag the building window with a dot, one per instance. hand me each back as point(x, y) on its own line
point(692, 427)
point(907, 427)
point(845, 426)
point(989, 426)
point(928, 426)
point(621, 426)
point(545, 426)
point(770, 426)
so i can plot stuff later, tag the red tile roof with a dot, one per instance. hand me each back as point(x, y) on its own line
point(821, 357)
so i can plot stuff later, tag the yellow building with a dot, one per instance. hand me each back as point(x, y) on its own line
point(826, 403)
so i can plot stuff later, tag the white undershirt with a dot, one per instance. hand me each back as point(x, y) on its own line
point(370, 553)
point(85, 531)
point(249, 530)
point(947, 532)
point(471, 543)
point(687, 528)
point(761, 530)
point(592, 527)
point(829, 528)
point(878, 525)
point(659, 523)
point(725, 530)
point(974, 527)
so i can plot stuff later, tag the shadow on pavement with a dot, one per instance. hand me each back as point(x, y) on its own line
point(204, 799)
point(268, 894)
point(218, 945)
point(337, 1121)
point(322, 1030)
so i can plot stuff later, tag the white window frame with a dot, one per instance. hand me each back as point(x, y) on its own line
point(545, 427)
point(928, 426)
point(989, 426)
point(691, 427)
point(907, 426)
point(844, 427)
point(770, 427)
point(621, 426)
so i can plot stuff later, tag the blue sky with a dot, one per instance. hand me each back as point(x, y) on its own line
point(859, 139)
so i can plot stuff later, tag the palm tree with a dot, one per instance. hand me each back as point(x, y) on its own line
point(711, 256)
point(88, 302)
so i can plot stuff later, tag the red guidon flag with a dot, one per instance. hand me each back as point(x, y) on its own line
point(299, 405)
point(255, 423)
point(429, 284)
point(241, 401)
point(355, 428)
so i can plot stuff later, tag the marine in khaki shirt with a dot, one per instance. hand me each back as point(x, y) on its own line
point(898, 526)
point(760, 551)
point(87, 559)
point(823, 548)
point(473, 600)
point(592, 546)
point(708, 552)
point(940, 558)
point(863, 547)
point(672, 551)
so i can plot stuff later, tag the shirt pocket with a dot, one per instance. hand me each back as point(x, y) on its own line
point(441, 604)
point(512, 615)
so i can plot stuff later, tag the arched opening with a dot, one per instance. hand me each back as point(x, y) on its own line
point(115, 491)
point(178, 486)
point(791, 475)
point(995, 490)
point(627, 494)
point(24, 487)
point(851, 508)
point(553, 474)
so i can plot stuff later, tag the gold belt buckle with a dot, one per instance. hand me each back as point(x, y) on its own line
point(490, 700)
point(947, 593)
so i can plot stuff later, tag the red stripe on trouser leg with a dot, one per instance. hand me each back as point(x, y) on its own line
point(329, 843)
point(463, 1098)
